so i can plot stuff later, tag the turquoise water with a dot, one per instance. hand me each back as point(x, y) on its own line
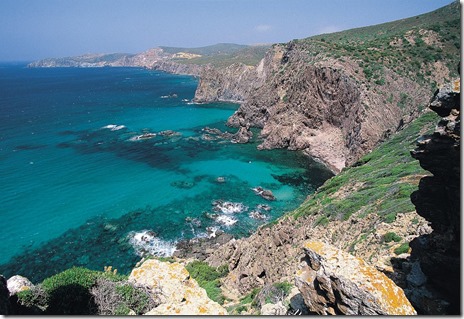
point(78, 188)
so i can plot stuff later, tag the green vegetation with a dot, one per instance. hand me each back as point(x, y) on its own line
point(380, 183)
point(81, 291)
point(271, 293)
point(222, 54)
point(403, 248)
point(208, 278)
point(391, 236)
point(409, 47)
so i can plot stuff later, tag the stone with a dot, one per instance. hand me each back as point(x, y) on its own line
point(332, 281)
point(18, 283)
point(180, 294)
point(264, 193)
point(270, 309)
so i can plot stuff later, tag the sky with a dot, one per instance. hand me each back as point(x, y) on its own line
point(37, 29)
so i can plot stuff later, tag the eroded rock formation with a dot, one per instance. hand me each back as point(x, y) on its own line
point(334, 282)
point(438, 200)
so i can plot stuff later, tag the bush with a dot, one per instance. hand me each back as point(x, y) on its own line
point(32, 301)
point(69, 292)
point(118, 298)
point(208, 278)
point(403, 248)
point(389, 237)
point(272, 293)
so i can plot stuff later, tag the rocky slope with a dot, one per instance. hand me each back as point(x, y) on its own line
point(365, 210)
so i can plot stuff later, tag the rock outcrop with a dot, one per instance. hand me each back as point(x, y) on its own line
point(334, 282)
point(4, 297)
point(180, 294)
point(438, 255)
point(18, 283)
point(322, 106)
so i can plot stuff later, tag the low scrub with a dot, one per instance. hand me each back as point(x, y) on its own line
point(208, 278)
point(81, 291)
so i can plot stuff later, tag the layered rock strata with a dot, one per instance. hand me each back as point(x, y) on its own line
point(334, 282)
point(434, 282)
point(324, 107)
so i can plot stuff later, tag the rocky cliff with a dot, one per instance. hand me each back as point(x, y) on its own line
point(335, 97)
point(434, 281)
point(334, 282)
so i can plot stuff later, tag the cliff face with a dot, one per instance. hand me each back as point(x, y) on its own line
point(233, 83)
point(322, 107)
point(437, 255)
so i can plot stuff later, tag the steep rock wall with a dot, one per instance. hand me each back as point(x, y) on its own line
point(321, 106)
point(437, 255)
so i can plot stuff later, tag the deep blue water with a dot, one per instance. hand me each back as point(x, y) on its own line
point(78, 189)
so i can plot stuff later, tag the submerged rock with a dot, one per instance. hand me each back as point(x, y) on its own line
point(264, 193)
point(334, 282)
point(180, 294)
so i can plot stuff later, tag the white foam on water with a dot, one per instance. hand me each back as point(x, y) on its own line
point(145, 242)
point(114, 127)
point(229, 207)
point(226, 220)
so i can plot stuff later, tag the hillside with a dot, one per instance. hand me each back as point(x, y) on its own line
point(336, 96)
point(218, 55)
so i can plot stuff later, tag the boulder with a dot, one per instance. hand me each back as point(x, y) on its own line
point(18, 283)
point(179, 294)
point(334, 282)
point(270, 309)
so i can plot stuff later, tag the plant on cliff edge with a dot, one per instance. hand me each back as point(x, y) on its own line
point(208, 278)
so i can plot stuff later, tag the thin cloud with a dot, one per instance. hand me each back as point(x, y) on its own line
point(263, 28)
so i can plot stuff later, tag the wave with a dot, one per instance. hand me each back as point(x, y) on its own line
point(226, 220)
point(228, 207)
point(145, 242)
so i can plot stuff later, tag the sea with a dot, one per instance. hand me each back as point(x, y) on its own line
point(101, 166)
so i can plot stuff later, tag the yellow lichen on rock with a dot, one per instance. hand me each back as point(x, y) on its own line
point(180, 294)
point(330, 272)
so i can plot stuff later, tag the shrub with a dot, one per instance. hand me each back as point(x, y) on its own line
point(272, 293)
point(208, 278)
point(69, 292)
point(389, 237)
point(118, 298)
point(250, 298)
point(32, 301)
point(403, 248)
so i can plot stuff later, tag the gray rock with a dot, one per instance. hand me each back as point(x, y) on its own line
point(270, 309)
